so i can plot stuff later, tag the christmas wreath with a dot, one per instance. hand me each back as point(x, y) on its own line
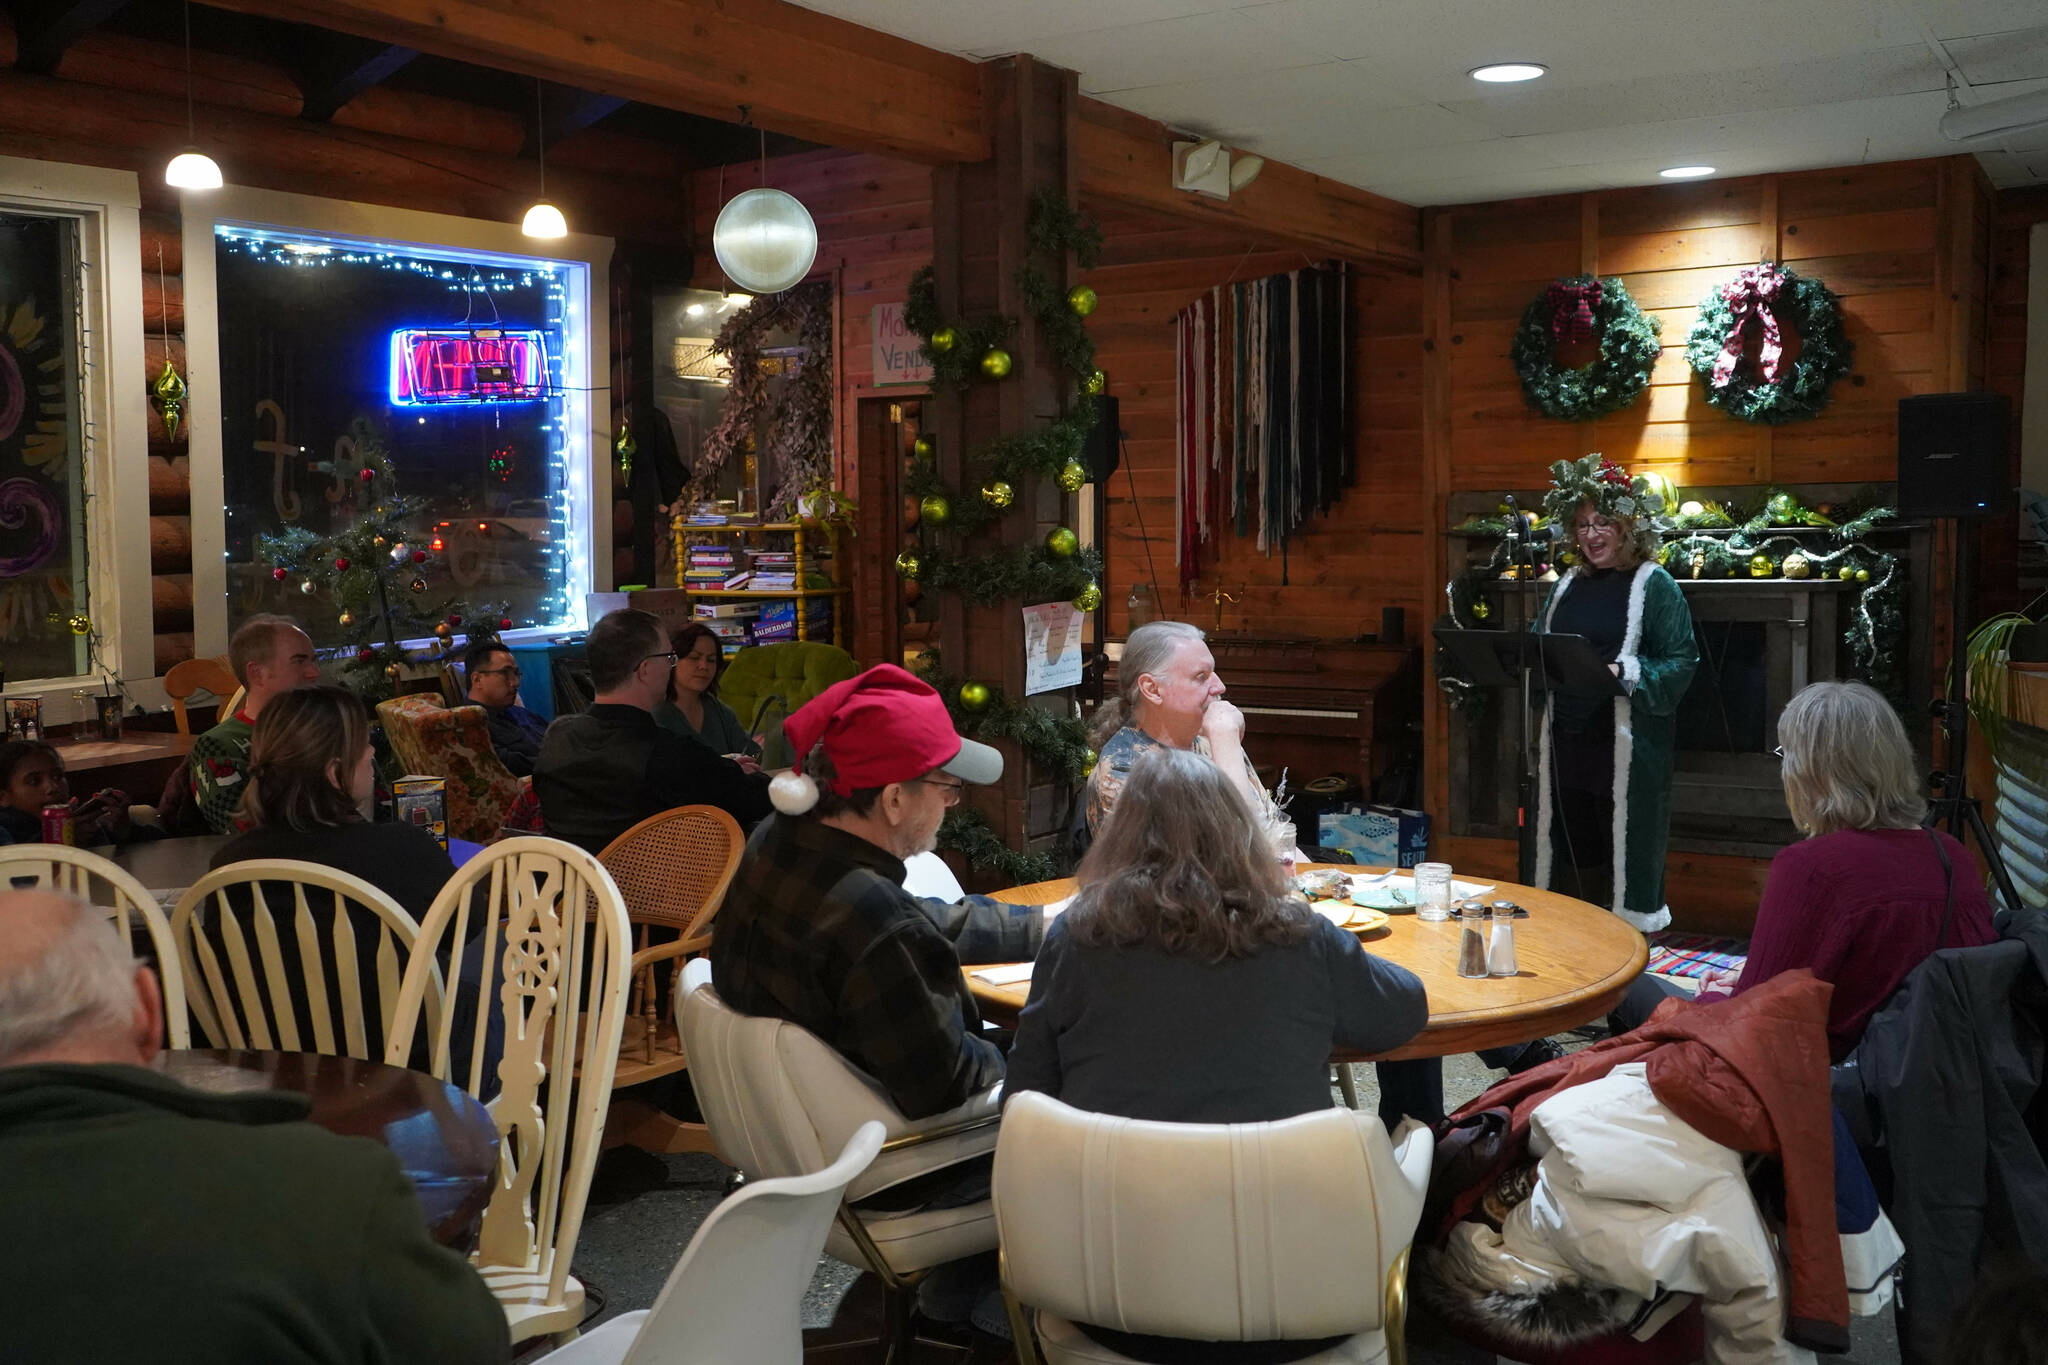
point(1771, 389)
point(1582, 308)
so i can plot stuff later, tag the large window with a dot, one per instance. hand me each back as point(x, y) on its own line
point(44, 532)
point(462, 366)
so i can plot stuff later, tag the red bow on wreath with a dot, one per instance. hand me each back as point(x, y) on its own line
point(1571, 310)
point(1750, 298)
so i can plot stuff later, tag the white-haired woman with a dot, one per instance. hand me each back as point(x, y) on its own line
point(1869, 893)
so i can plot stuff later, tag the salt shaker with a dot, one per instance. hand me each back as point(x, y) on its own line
point(1500, 945)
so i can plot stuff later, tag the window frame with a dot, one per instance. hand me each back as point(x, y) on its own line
point(589, 291)
point(107, 205)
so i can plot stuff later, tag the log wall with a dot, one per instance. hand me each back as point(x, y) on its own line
point(2014, 215)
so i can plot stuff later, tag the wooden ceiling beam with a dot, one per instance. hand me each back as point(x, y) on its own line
point(802, 73)
point(1127, 159)
point(46, 30)
point(341, 68)
point(567, 112)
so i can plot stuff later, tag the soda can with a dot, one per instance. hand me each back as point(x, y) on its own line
point(57, 828)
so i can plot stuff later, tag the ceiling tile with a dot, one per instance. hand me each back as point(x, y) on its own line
point(1962, 18)
point(1173, 51)
point(2006, 57)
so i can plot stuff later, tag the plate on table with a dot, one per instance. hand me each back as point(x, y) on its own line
point(1354, 918)
point(1392, 897)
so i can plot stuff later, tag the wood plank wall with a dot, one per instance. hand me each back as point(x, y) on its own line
point(2014, 215)
point(1344, 567)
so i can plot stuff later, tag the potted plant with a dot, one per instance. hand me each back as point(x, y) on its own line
point(826, 503)
point(2010, 639)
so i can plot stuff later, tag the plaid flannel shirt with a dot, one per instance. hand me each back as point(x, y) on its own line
point(817, 929)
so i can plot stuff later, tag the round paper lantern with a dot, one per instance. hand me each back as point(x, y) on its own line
point(765, 240)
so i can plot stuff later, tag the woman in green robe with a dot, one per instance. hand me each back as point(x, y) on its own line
point(1604, 787)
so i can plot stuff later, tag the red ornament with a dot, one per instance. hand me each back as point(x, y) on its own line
point(365, 654)
point(454, 620)
point(366, 474)
point(277, 575)
point(504, 623)
point(341, 564)
point(419, 556)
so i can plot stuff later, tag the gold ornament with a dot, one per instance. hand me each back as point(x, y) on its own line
point(418, 585)
point(443, 630)
point(974, 696)
point(1759, 566)
point(1072, 475)
point(347, 618)
point(998, 494)
point(1088, 757)
point(1088, 599)
point(996, 363)
point(944, 340)
point(1081, 299)
point(391, 672)
point(1797, 565)
point(924, 447)
point(934, 510)
point(167, 391)
point(1480, 611)
point(378, 541)
point(908, 564)
point(1097, 381)
point(80, 625)
point(1845, 573)
point(1062, 542)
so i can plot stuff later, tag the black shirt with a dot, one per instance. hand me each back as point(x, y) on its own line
point(1582, 728)
point(604, 771)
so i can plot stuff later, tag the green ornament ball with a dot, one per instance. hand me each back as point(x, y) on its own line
point(908, 564)
point(998, 494)
point(1072, 475)
point(944, 340)
point(1081, 299)
point(1784, 508)
point(974, 696)
point(1863, 575)
point(1062, 542)
point(1480, 611)
point(1845, 573)
point(1088, 758)
point(80, 625)
point(996, 364)
point(1088, 599)
point(1097, 381)
point(934, 510)
point(1760, 566)
point(924, 447)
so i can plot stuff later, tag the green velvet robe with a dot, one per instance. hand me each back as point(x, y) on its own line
point(1658, 656)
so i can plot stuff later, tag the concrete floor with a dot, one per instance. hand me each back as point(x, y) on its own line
point(644, 1209)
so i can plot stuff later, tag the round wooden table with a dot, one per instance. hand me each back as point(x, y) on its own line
point(1576, 961)
point(445, 1140)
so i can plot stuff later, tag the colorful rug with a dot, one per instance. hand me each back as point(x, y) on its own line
point(1694, 955)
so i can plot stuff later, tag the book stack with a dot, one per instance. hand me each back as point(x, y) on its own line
point(732, 631)
point(715, 566)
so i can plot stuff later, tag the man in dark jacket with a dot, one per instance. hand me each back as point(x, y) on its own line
point(492, 676)
point(608, 769)
point(144, 1221)
point(1942, 1085)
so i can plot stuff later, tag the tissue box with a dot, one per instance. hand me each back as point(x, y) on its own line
point(422, 802)
point(1377, 836)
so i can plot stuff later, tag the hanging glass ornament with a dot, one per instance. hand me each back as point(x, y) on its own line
point(1089, 598)
point(365, 654)
point(1088, 759)
point(419, 556)
point(442, 631)
point(1072, 475)
point(278, 575)
point(1081, 299)
point(924, 447)
point(998, 494)
point(80, 625)
point(944, 340)
point(974, 696)
point(366, 474)
point(418, 585)
point(347, 619)
point(934, 510)
point(1062, 542)
point(1097, 381)
point(167, 391)
point(908, 564)
point(391, 672)
point(306, 586)
point(996, 364)
point(341, 564)
point(504, 623)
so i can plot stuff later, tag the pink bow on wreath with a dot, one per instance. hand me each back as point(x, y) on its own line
point(1571, 310)
point(1750, 298)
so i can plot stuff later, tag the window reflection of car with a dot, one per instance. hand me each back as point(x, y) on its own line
point(494, 547)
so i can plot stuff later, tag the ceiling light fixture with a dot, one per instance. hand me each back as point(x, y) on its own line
point(1507, 73)
point(1208, 168)
point(1685, 172)
point(191, 169)
point(543, 219)
point(764, 239)
point(1997, 116)
point(1244, 170)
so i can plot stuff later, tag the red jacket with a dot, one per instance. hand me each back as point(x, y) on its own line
point(1751, 1073)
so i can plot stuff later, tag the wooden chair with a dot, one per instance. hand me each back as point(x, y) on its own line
point(311, 938)
point(554, 928)
point(673, 869)
point(201, 675)
point(59, 867)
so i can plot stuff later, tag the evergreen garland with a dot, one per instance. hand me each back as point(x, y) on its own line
point(1027, 572)
point(1057, 743)
point(1812, 312)
point(1628, 352)
point(963, 831)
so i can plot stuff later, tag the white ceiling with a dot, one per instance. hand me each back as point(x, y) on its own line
point(1375, 92)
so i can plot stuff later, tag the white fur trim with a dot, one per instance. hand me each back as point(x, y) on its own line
point(793, 793)
point(1645, 924)
point(1625, 742)
point(1546, 799)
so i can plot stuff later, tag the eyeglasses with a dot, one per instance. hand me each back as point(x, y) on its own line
point(1778, 752)
point(952, 789)
point(486, 672)
point(670, 655)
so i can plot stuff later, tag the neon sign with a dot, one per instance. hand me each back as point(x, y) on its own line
point(439, 367)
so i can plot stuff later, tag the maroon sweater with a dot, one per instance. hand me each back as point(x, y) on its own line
point(1862, 908)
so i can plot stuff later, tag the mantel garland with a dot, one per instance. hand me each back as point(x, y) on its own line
point(1770, 390)
point(1582, 308)
point(800, 443)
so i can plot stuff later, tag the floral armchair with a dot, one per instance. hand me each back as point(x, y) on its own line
point(453, 742)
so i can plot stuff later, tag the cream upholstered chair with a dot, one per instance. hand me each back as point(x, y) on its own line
point(1218, 1232)
point(673, 870)
point(60, 867)
point(779, 1101)
point(305, 929)
point(554, 944)
point(737, 1294)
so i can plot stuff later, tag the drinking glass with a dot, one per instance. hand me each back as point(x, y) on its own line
point(1284, 847)
point(1433, 892)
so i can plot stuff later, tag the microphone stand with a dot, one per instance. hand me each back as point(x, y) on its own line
point(1521, 558)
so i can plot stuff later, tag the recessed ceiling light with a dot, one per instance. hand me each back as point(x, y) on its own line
point(1685, 172)
point(1504, 72)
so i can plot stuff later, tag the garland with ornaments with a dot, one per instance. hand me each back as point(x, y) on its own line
point(965, 832)
point(1056, 742)
point(1763, 301)
point(799, 442)
point(372, 573)
point(1576, 310)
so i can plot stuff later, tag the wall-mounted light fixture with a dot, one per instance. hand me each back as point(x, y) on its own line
point(1207, 168)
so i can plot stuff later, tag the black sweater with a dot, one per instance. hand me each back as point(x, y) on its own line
point(604, 771)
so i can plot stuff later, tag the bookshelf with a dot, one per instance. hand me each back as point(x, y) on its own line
point(681, 528)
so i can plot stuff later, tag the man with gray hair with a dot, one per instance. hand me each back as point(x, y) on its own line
point(144, 1221)
point(270, 655)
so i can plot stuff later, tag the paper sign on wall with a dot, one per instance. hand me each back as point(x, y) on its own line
point(898, 357)
point(1052, 646)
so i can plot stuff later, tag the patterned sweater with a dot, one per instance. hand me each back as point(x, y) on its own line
point(220, 769)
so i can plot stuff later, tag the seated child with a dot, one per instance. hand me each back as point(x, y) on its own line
point(32, 777)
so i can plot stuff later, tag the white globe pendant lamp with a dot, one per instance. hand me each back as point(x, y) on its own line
point(543, 220)
point(765, 240)
point(191, 169)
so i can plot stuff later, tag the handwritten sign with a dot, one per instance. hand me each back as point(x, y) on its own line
point(1052, 647)
point(898, 359)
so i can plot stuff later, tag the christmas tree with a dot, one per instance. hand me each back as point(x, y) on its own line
point(372, 573)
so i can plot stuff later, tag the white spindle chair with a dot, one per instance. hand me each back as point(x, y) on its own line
point(60, 867)
point(556, 953)
point(327, 942)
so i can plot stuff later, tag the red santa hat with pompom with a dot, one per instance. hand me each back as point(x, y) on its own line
point(878, 727)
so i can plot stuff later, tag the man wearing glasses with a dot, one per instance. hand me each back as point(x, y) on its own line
point(602, 772)
point(493, 680)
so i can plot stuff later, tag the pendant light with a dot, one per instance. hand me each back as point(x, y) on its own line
point(191, 169)
point(543, 219)
point(764, 239)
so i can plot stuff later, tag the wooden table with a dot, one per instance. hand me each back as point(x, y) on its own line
point(166, 865)
point(451, 1158)
point(1576, 961)
point(139, 762)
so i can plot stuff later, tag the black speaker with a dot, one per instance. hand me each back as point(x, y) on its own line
point(1103, 450)
point(1952, 460)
